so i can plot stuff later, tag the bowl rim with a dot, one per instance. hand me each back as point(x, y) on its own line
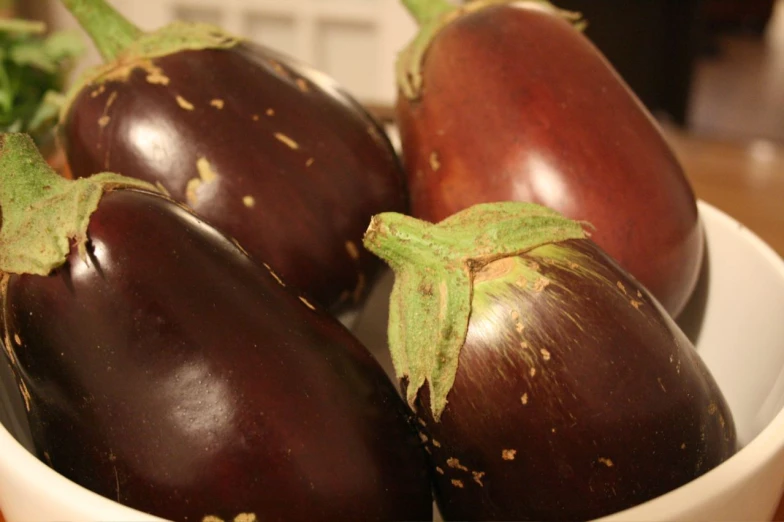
point(761, 449)
point(24, 466)
point(59, 490)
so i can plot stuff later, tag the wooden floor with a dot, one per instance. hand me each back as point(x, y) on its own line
point(739, 93)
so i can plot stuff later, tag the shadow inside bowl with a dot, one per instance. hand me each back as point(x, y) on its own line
point(370, 326)
point(692, 318)
point(12, 410)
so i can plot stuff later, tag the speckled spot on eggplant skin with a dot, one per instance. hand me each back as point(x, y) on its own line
point(183, 103)
point(620, 411)
point(158, 77)
point(352, 250)
point(309, 199)
point(286, 140)
point(168, 370)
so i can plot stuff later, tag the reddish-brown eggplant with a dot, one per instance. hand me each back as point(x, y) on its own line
point(509, 101)
point(163, 368)
point(268, 150)
point(557, 387)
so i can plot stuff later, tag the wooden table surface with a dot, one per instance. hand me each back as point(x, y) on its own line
point(746, 180)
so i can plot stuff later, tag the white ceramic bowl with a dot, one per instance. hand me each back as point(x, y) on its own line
point(736, 320)
point(741, 339)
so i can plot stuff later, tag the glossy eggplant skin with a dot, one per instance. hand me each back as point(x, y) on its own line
point(576, 396)
point(267, 150)
point(171, 373)
point(519, 93)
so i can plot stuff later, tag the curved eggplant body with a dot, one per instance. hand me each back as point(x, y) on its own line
point(519, 93)
point(269, 152)
point(169, 372)
point(575, 397)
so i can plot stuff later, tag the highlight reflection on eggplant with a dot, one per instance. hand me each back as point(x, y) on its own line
point(550, 385)
point(268, 150)
point(162, 368)
point(556, 126)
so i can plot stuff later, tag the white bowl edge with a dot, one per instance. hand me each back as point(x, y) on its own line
point(716, 486)
point(58, 504)
point(20, 503)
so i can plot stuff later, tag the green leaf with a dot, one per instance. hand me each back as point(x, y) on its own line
point(434, 265)
point(501, 210)
point(31, 67)
point(508, 228)
point(32, 54)
point(18, 26)
point(46, 113)
point(42, 211)
point(6, 92)
point(422, 353)
point(454, 301)
point(64, 45)
point(15, 126)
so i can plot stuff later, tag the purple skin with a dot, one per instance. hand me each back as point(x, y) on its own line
point(517, 105)
point(171, 373)
point(268, 151)
point(574, 398)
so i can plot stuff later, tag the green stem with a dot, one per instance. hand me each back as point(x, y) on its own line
point(402, 240)
point(472, 237)
point(425, 11)
point(111, 32)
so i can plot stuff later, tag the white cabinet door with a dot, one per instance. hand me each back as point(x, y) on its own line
point(355, 41)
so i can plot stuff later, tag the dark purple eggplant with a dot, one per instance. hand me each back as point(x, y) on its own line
point(557, 387)
point(268, 150)
point(504, 100)
point(162, 368)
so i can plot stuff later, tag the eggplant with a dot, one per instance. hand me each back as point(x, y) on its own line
point(163, 368)
point(556, 126)
point(548, 383)
point(268, 150)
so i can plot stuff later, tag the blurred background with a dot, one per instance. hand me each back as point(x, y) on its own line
point(711, 67)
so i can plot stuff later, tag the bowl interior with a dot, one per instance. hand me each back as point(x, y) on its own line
point(741, 334)
point(12, 407)
point(734, 319)
point(736, 326)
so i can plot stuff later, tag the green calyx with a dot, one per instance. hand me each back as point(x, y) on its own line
point(434, 267)
point(43, 212)
point(432, 16)
point(117, 39)
point(123, 46)
point(175, 37)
